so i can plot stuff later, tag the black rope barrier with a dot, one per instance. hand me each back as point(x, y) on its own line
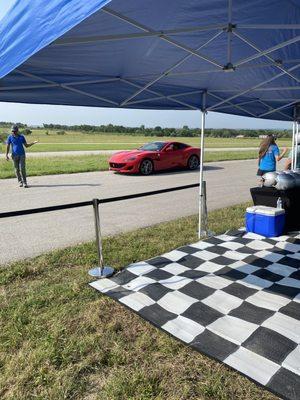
point(89, 203)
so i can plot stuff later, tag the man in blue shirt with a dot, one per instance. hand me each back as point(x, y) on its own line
point(17, 143)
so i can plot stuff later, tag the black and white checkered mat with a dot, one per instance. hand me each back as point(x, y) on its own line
point(234, 297)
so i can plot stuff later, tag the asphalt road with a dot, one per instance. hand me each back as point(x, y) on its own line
point(97, 152)
point(228, 183)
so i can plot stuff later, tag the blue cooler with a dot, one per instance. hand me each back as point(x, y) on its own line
point(265, 221)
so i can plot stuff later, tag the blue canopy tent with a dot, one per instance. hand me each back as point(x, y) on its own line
point(236, 57)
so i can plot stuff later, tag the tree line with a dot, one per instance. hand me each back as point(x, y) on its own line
point(185, 131)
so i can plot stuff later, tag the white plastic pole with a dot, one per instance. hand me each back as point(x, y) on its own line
point(296, 144)
point(293, 147)
point(202, 217)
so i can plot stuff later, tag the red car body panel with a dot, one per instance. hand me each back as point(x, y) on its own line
point(129, 161)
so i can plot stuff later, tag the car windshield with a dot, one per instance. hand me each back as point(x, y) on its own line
point(153, 146)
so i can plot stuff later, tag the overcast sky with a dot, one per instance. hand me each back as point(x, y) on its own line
point(38, 114)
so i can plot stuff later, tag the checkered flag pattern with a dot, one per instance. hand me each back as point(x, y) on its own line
point(233, 297)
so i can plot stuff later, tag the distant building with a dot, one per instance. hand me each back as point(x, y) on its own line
point(240, 136)
point(262, 136)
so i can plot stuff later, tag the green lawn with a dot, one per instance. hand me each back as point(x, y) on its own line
point(60, 339)
point(49, 147)
point(80, 141)
point(57, 165)
point(88, 163)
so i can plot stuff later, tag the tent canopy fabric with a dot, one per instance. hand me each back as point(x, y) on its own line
point(158, 54)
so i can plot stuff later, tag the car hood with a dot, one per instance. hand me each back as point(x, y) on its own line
point(124, 155)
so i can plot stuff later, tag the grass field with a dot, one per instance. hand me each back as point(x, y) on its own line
point(74, 141)
point(60, 339)
point(88, 163)
point(80, 141)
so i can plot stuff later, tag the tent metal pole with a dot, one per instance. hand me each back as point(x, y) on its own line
point(296, 144)
point(277, 65)
point(232, 104)
point(45, 86)
point(279, 108)
point(202, 199)
point(269, 50)
point(65, 87)
point(160, 94)
point(253, 88)
point(229, 33)
point(170, 69)
point(268, 106)
point(293, 147)
point(268, 26)
point(123, 36)
point(172, 96)
point(267, 89)
point(162, 37)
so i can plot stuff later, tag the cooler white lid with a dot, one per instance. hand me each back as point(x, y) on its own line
point(251, 209)
point(264, 210)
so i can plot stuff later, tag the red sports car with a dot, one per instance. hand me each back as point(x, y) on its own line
point(155, 156)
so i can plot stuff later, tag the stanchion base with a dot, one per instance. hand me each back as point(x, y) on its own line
point(105, 273)
point(206, 234)
point(210, 233)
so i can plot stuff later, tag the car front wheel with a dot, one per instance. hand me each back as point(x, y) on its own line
point(193, 162)
point(146, 167)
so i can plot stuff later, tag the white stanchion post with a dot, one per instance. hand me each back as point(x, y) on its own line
point(100, 271)
point(202, 199)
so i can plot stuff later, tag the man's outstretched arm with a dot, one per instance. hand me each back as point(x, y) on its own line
point(30, 144)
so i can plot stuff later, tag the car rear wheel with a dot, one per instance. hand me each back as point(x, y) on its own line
point(146, 167)
point(193, 162)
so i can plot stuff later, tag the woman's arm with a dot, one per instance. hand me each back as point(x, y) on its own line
point(280, 156)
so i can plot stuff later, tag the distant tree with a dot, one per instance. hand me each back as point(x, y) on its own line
point(60, 132)
point(26, 132)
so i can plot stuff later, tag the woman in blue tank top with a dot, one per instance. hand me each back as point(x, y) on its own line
point(268, 155)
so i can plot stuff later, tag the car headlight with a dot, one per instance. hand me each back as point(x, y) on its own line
point(130, 159)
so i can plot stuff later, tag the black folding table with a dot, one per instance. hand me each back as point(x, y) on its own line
point(268, 196)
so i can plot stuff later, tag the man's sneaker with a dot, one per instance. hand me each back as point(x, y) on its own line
point(25, 185)
point(20, 184)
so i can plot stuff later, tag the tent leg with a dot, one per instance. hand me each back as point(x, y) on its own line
point(293, 147)
point(296, 145)
point(202, 228)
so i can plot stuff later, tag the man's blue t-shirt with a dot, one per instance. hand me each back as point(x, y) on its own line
point(268, 161)
point(17, 143)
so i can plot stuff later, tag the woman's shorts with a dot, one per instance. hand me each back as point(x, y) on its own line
point(261, 172)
